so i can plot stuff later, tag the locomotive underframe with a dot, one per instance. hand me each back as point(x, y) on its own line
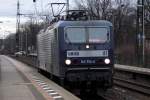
point(98, 76)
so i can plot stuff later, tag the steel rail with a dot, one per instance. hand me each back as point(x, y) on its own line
point(131, 85)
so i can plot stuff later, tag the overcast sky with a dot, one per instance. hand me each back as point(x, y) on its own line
point(8, 7)
point(8, 10)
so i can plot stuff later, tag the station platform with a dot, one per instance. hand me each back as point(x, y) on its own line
point(21, 82)
point(134, 69)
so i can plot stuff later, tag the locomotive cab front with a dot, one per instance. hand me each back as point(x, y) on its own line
point(88, 53)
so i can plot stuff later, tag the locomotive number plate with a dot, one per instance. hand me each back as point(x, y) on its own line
point(87, 62)
point(90, 53)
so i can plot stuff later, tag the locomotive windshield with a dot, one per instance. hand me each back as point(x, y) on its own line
point(75, 35)
point(88, 34)
point(98, 35)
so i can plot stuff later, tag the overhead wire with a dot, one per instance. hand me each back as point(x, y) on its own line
point(60, 8)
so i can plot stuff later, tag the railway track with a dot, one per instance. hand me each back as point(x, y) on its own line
point(132, 85)
point(123, 83)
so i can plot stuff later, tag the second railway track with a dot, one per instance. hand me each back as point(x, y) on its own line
point(132, 85)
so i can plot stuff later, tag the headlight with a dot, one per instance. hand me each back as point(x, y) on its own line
point(87, 46)
point(68, 61)
point(107, 61)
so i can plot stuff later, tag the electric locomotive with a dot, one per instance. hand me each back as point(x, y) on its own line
point(78, 51)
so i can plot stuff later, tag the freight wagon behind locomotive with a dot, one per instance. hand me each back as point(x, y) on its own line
point(78, 52)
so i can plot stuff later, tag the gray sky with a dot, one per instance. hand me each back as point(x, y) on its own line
point(8, 7)
point(8, 12)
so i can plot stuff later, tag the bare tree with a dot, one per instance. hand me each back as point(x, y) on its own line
point(147, 11)
point(97, 9)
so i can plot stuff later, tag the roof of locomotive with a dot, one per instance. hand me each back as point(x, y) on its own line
point(77, 23)
point(83, 23)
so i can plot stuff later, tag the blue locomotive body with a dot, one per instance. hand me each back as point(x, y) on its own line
point(78, 51)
